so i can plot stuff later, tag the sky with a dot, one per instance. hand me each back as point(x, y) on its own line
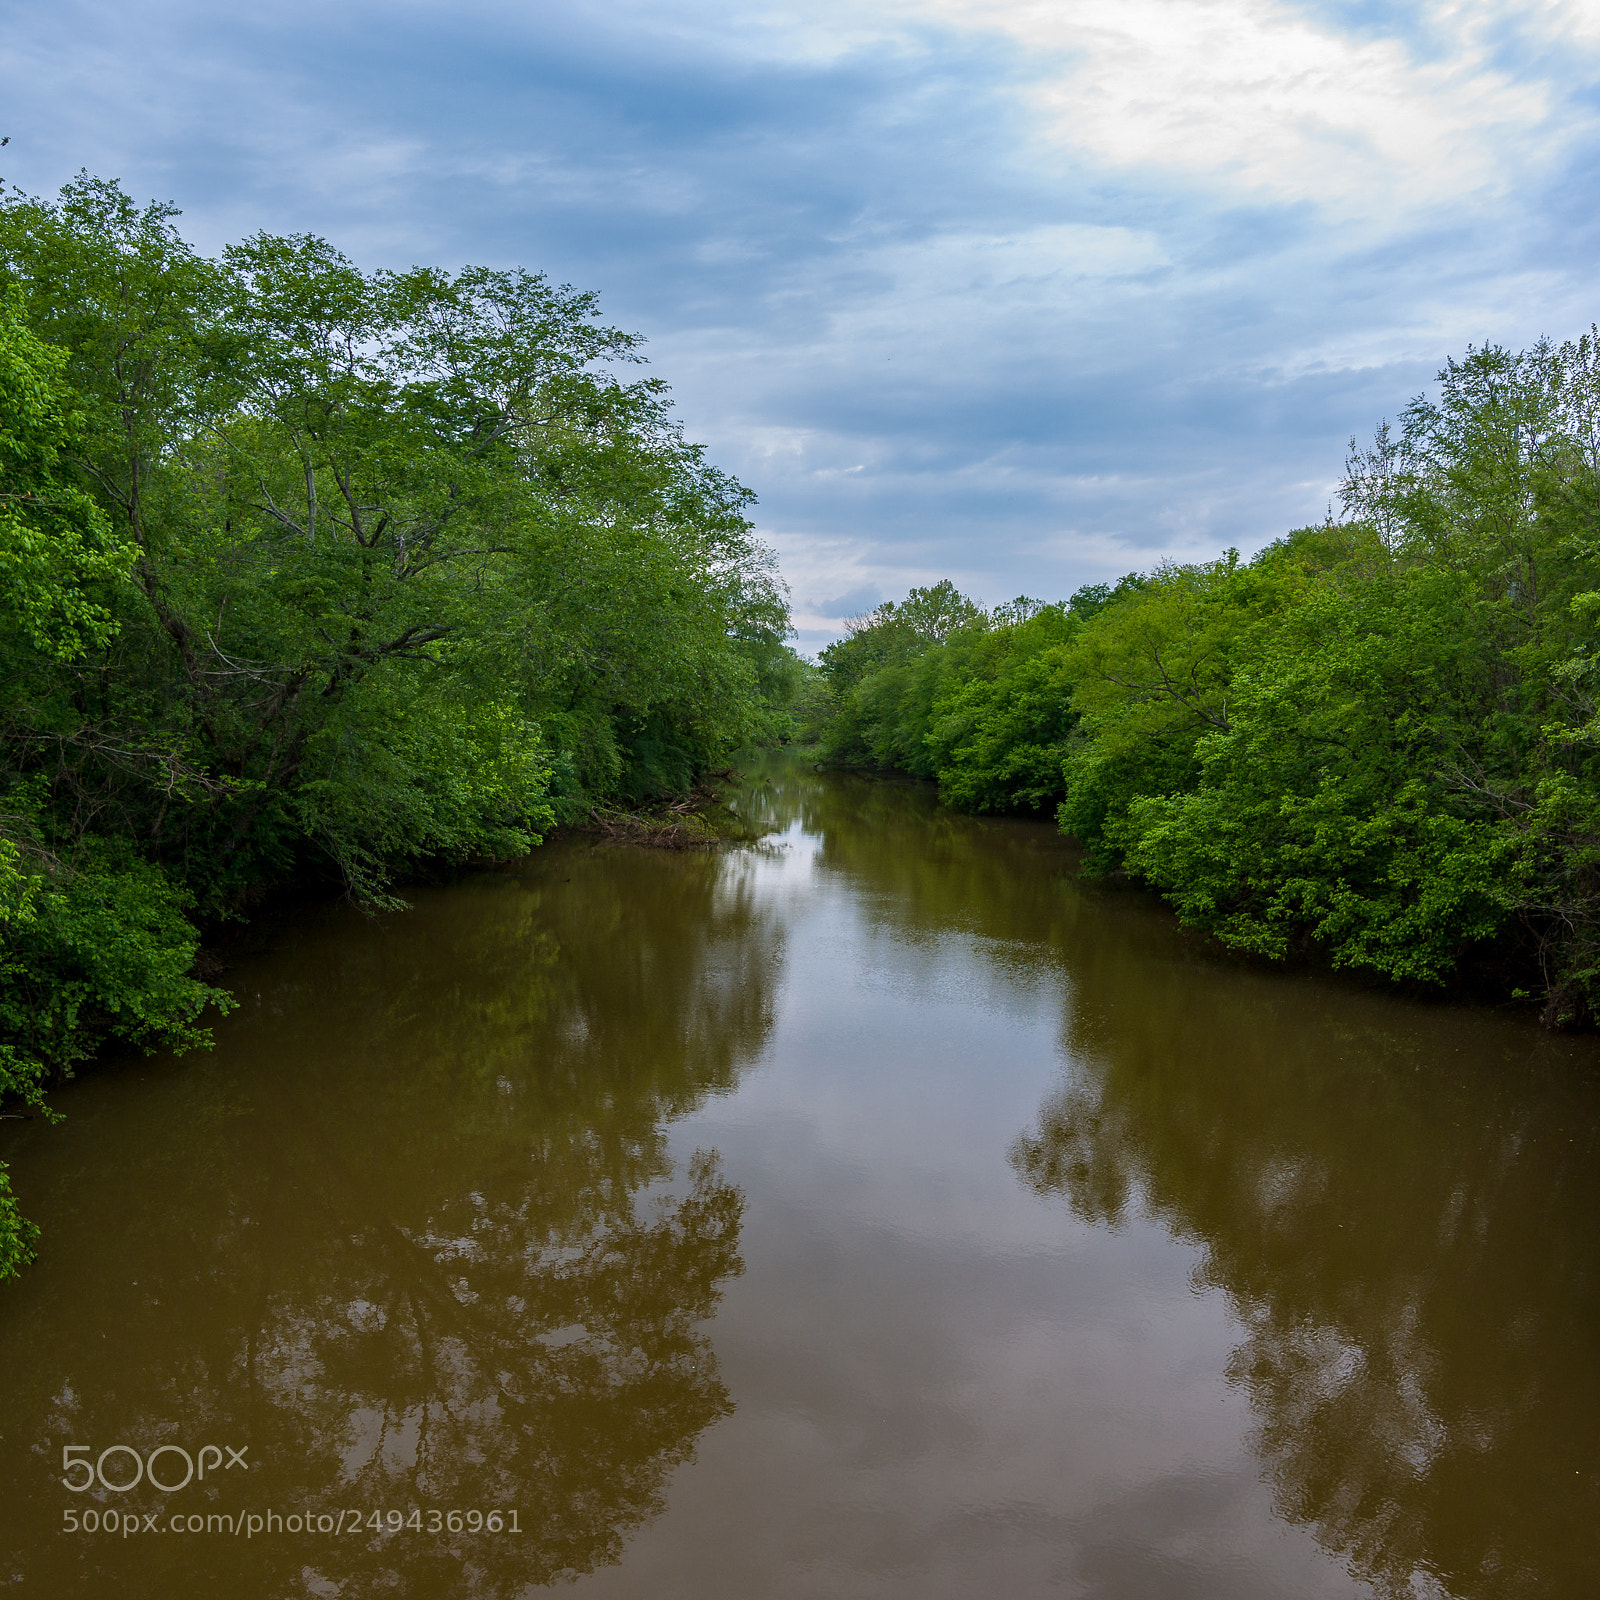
point(1023, 293)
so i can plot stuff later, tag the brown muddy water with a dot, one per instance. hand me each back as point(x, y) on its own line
point(873, 1212)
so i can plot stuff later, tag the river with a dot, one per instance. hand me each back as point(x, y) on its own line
point(874, 1211)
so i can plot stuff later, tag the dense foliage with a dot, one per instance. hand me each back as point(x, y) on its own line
point(1377, 742)
point(312, 569)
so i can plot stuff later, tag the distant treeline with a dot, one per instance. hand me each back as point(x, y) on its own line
point(1376, 743)
point(310, 570)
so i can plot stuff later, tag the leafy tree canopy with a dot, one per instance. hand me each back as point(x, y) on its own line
point(1376, 742)
point(307, 568)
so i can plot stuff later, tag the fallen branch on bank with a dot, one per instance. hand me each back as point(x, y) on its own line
point(700, 820)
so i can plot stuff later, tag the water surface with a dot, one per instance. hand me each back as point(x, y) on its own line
point(877, 1211)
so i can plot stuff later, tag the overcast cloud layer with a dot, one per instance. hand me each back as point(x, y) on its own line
point(1026, 293)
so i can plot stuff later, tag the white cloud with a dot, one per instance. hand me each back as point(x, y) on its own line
point(1258, 93)
point(823, 570)
point(1030, 263)
point(1262, 95)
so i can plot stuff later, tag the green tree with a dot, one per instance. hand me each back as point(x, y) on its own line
point(1377, 743)
point(884, 676)
point(92, 940)
point(1000, 727)
point(316, 570)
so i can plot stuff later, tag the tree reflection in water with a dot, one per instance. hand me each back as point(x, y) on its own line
point(1400, 1206)
point(1398, 1199)
point(413, 1236)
